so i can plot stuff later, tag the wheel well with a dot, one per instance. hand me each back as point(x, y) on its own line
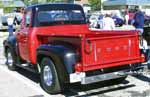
point(39, 59)
point(41, 56)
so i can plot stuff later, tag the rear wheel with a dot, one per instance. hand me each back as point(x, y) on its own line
point(49, 77)
point(10, 60)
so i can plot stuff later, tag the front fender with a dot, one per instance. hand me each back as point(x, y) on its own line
point(67, 55)
point(10, 42)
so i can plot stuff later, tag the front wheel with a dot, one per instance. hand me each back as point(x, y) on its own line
point(49, 78)
point(10, 61)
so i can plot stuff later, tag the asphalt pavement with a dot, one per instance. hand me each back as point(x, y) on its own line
point(23, 83)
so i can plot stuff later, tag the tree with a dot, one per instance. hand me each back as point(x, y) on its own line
point(30, 2)
point(51, 1)
point(66, 0)
point(95, 4)
point(1, 4)
point(58, 0)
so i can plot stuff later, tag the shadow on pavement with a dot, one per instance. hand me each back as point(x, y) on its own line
point(108, 90)
point(32, 76)
point(37, 96)
point(89, 90)
point(95, 89)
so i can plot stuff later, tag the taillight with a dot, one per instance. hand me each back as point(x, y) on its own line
point(78, 67)
point(143, 57)
point(88, 46)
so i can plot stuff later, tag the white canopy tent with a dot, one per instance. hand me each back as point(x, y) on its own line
point(126, 2)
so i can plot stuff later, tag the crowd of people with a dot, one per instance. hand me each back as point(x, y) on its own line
point(104, 22)
point(107, 23)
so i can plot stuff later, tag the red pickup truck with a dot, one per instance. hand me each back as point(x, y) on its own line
point(54, 41)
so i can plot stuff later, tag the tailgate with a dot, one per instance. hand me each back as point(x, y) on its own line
point(104, 52)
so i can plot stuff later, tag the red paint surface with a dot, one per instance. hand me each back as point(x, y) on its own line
point(106, 48)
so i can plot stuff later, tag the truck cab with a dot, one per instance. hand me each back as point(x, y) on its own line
point(45, 17)
point(54, 41)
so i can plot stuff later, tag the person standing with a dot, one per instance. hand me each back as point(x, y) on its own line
point(139, 20)
point(100, 21)
point(10, 21)
point(108, 22)
point(139, 25)
point(127, 18)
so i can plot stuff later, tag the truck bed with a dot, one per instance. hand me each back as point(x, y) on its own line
point(108, 48)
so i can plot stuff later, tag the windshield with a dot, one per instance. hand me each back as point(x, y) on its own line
point(60, 17)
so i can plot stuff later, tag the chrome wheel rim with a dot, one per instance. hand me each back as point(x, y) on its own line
point(47, 74)
point(9, 59)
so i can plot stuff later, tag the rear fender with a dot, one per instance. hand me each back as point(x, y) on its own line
point(63, 57)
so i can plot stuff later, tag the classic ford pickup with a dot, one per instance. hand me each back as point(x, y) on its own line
point(54, 41)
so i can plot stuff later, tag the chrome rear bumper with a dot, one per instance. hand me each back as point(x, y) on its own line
point(103, 77)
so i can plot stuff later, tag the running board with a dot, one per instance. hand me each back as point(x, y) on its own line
point(28, 67)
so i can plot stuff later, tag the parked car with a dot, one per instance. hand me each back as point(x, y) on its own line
point(93, 20)
point(17, 18)
point(147, 20)
point(118, 21)
point(4, 20)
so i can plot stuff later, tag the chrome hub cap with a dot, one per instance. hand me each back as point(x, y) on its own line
point(47, 74)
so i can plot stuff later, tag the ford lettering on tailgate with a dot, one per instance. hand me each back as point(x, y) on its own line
point(109, 50)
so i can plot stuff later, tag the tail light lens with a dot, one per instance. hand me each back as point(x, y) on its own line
point(143, 57)
point(78, 67)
